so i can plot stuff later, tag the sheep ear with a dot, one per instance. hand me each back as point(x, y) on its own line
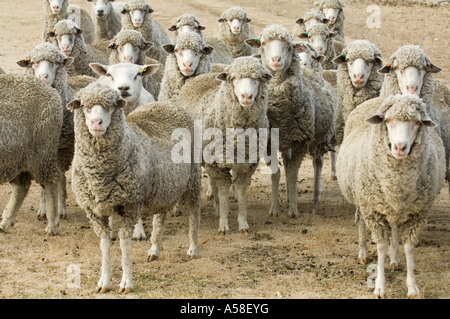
point(173, 28)
point(51, 34)
point(208, 50)
point(375, 119)
point(68, 61)
point(112, 46)
point(169, 48)
point(321, 58)
point(385, 69)
point(148, 46)
point(221, 20)
point(300, 21)
point(325, 21)
point(300, 47)
point(222, 76)
point(79, 31)
point(249, 20)
point(254, 43)
point(124, 10)
point(433, 68)
point(73, 105)
point(333, 35)
point(340, 59)
point(267, 77)
point(303, 35)
point(149, 69)
point(201, 28)
point(428, 123)
point(23, 63)
point(99, 68)
point(121, 103)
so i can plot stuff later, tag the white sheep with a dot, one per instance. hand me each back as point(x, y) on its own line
point(57, 10)
point(391, 167)
point(357, 81)
point(234, 28)
point(31, 117)
point(69, 39)
point(189, 23)
point(305, 124)
point(127, 169)
point(233, 100)
point(108, 19)
point(189, 57)
point(127, 79)
point(48, 64)
point(137, 15)
point(130, 46)
point(308, 20)
point(333, 10)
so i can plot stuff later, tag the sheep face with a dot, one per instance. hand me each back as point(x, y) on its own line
point(101, 8)
point(188, 61)
point(331, 14)
point(56, 5)
point(128, 53)
point(98, 119)
point(359, 71)
point(410, 79)
point(320, 41)
point(307, 56)
point(66, 42)
point(402, 126)
point(45, 71)
point(126, 78)
point(137, 17)
point(276, 54)
point(185, 28)
point(235, 25)
point(246, 90)
point(311, 22)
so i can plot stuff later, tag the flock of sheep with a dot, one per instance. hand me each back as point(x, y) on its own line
point(104, 96)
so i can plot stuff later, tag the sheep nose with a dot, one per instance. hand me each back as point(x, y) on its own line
point(247, 96)
point(319, 50)
point(400, 147)
point(276, 59)
point(187, 64)
point(411, 89)
point(128, 59)
point(96, 122)
point(358, 77)
point(100, 12)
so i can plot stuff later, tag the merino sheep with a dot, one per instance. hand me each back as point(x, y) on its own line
point(189, 23)
point(31, 117)
point(127, 79)
point(410, 71)
point(70, 41)
point(322, 40)
point(392, 171)
point(358, 81)
point(137, 15)
point(133, 160)
point(305, 124)
point(189, 57)
point(308, 20)
point(57, 10)
point(234, 28)
point(48, 64)
point(130, 46)
point(108, 19)
point(333, 10)
point(233, 100)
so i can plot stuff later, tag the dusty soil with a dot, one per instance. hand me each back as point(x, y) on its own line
point(313, 256)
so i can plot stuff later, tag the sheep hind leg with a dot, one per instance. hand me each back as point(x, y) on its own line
point(242, 202)
point(318, 165)
point(62, 197)
point(41, 212)
point(104, 284)
point(413, 291)
point(333, 173)
point(157, 233)
point(51, 208)
point(194, 209)
point(275, 205)
point(362, 239)
point(224, 209)
point(380, 283)
point(394, 247)
point(21, 185)
point(126, 284)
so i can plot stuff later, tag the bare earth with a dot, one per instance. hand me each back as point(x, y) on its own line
point(313, 256)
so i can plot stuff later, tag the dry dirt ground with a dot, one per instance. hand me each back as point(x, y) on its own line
point(313, 256)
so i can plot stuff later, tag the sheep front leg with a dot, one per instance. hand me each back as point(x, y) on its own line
point(380, 283)
point(362, 239)
point(413, 291)
point(20, 190)
point(333, 165)
point(62, 197)
point(394, 246)
point(242, 202)
point(156, 238)
point(41, 211)
point(104, 284)
point(224, 208)
point(126, 284)
point(51, 208)
point(275, 205)
point(318, 165)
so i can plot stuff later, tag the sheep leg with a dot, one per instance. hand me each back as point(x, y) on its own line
point(51, 208)
point(41, 211)
point(113, 226)
point(209, 191)
point(158, 226)
point(394, 246)
point(20, 190)
point(413, 291)
point(362, 239)
point(104, 283)
point(380, 283)
point(139, 231)
point(333, 165)
point(233, 187)
point(318, 165)
point(291, 182)
point(224, 208)
point(126, 285)
point(194, 224)
point(62, 197)
point(215, 192)
point(275, 205)
point(242, 201)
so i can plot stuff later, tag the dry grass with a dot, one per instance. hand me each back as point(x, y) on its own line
point(313, 256)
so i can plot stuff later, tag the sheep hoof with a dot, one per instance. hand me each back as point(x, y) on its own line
point(379, 296)
point(63, 216)
point(51, 231)
point(152, 258)
point(333, 177)
point(41, 217)
point(362, 261)
point(209, 197)
point(190, 257)
point(223, 232)
point(244, 231)
point(102, 290)
point(395, 266)
point(125, 290)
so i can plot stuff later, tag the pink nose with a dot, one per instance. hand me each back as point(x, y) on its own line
point(128, 59)
point(319, 50)
point(187, 64)
point(411, 89)
point(96, 124)
point(276, 59)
